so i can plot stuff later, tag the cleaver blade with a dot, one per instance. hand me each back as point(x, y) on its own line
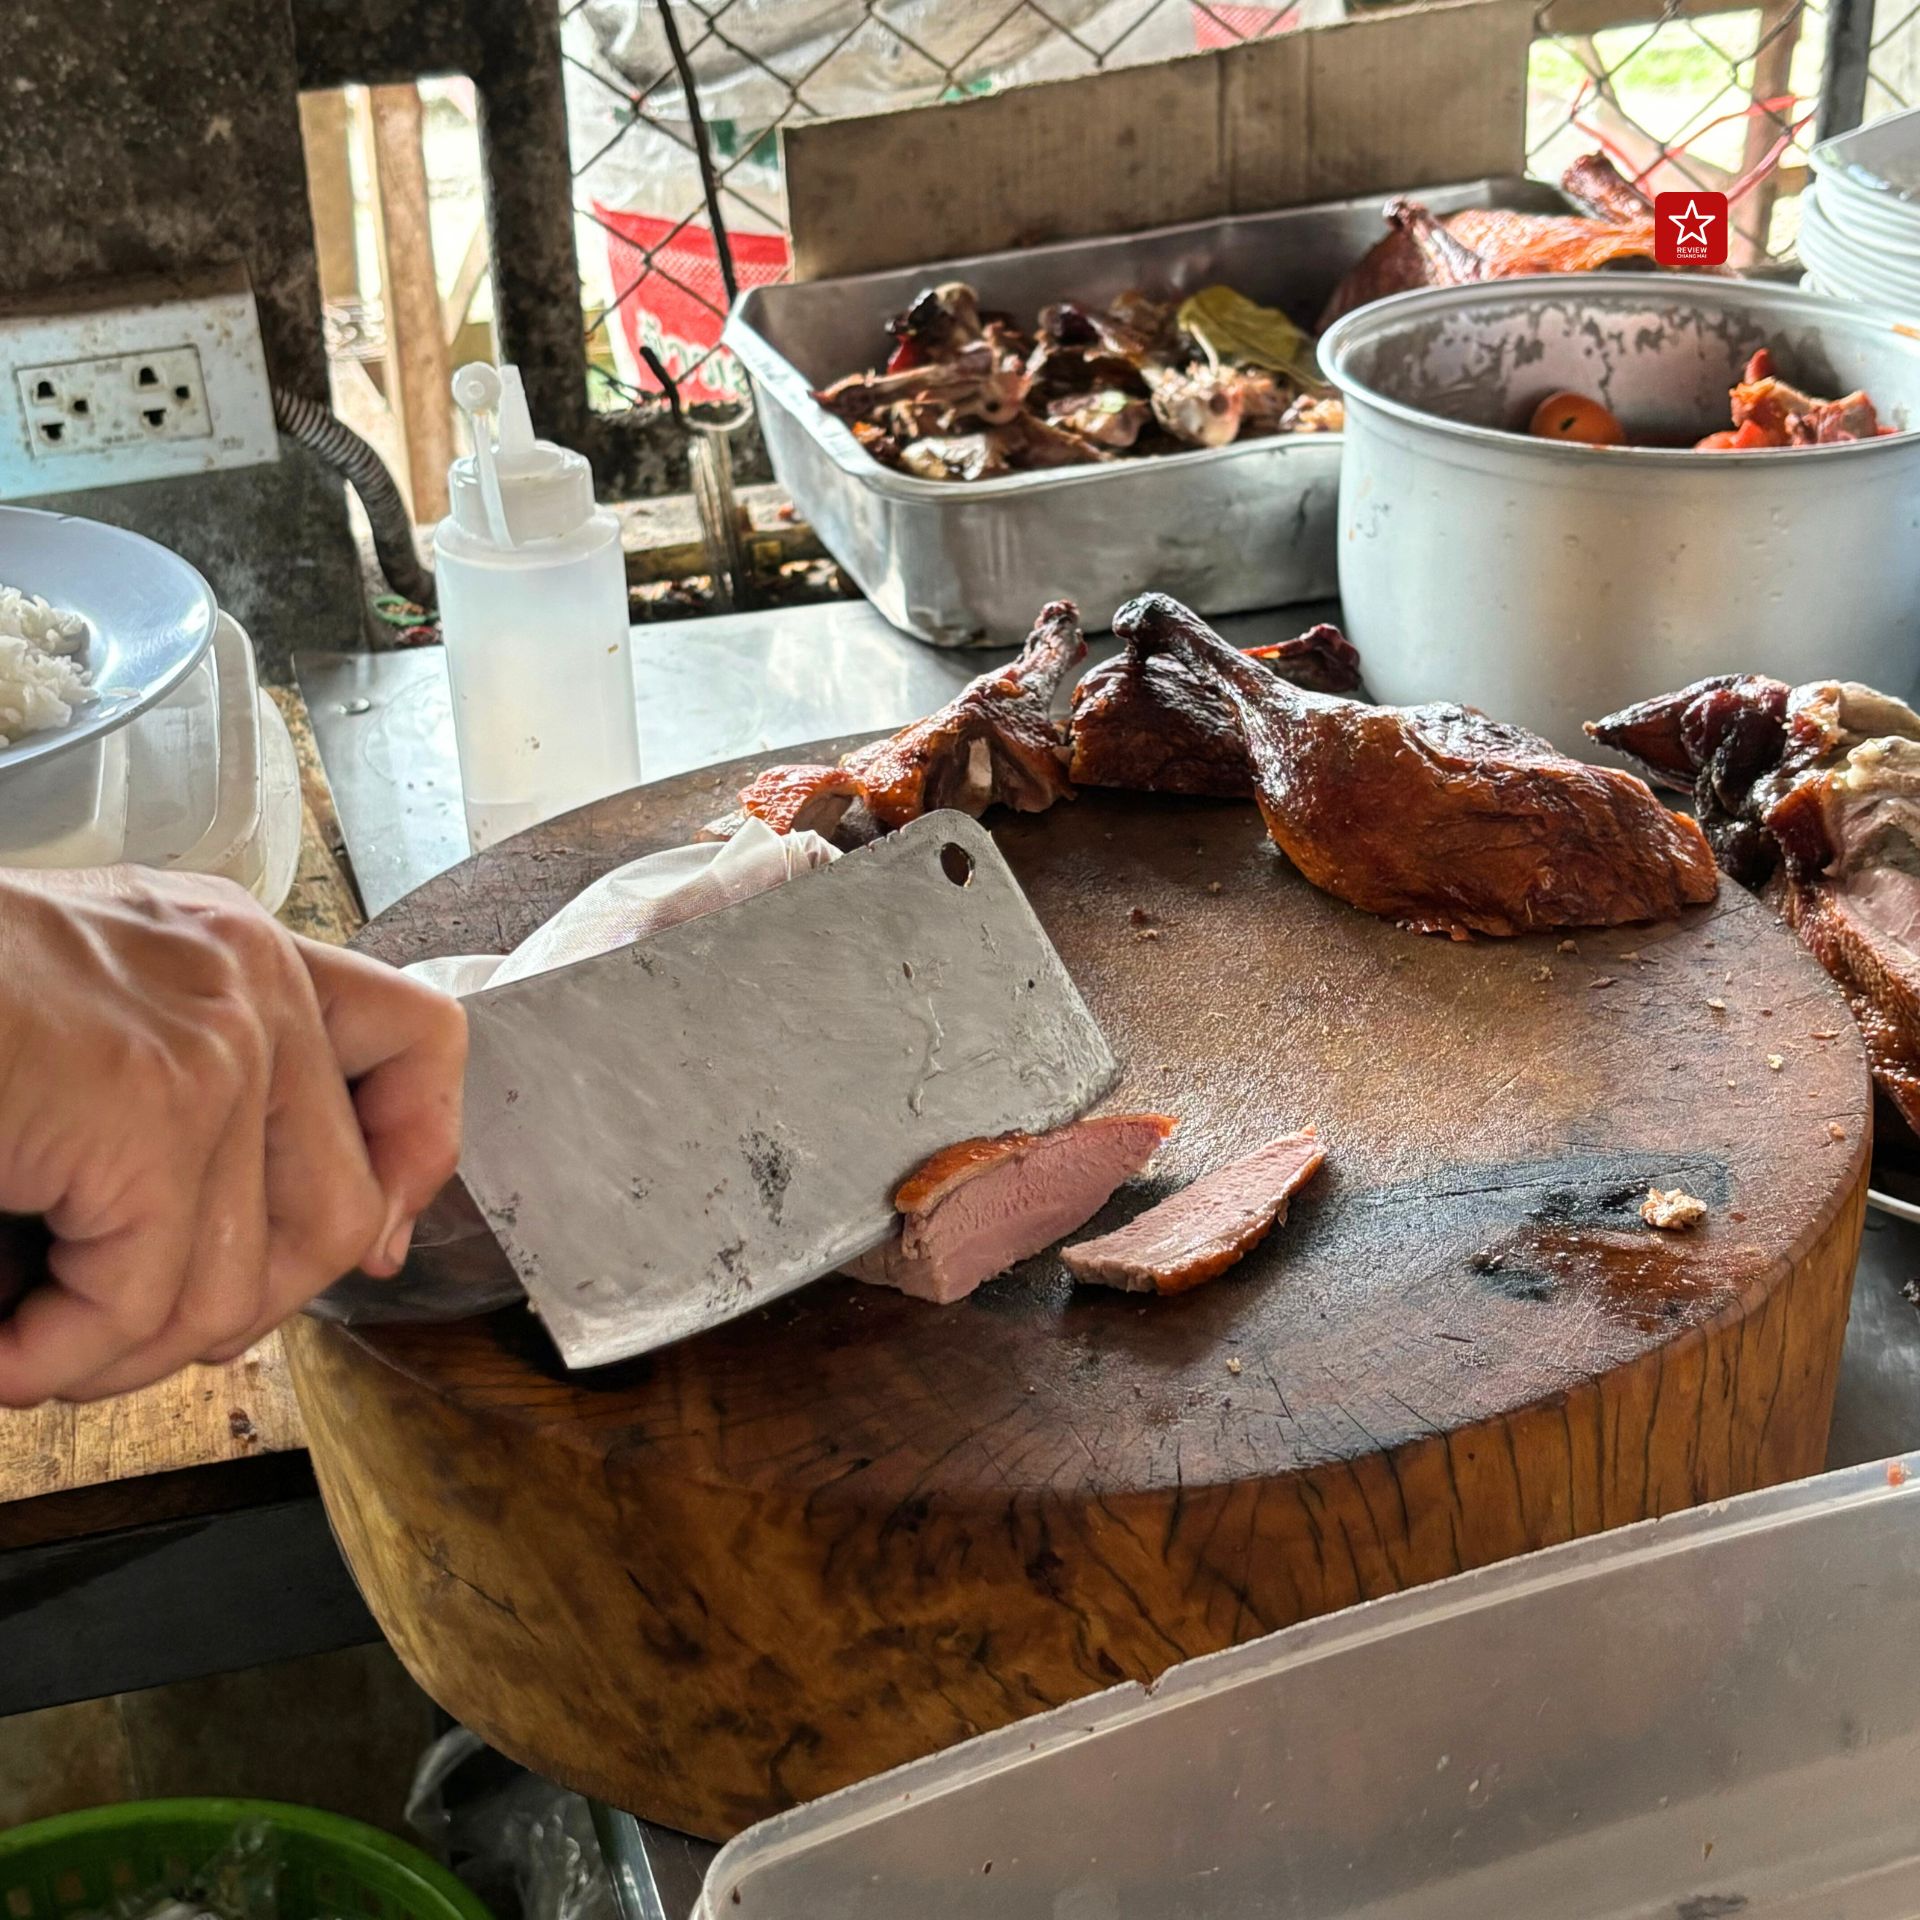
point(676, 1132)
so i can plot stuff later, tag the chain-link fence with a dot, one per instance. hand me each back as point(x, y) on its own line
point(1680, 95)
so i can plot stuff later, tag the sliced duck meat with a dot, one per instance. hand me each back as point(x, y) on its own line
point(1203, 1229)
point(1157, 726)
point(978, 1208)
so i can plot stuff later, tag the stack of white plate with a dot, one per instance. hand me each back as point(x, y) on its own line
point(1860, 217)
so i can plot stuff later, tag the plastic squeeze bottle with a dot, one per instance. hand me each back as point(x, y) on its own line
point(533, 611)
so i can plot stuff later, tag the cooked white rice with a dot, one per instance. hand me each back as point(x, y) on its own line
point(43, 674)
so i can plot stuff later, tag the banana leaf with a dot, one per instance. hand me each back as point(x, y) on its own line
point(1240, 332)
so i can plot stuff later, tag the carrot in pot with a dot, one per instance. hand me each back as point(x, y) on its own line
point(1574, 417)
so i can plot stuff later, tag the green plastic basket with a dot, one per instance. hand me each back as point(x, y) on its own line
point(331, 1869)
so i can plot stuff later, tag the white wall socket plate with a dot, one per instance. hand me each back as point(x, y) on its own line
point(135, 381)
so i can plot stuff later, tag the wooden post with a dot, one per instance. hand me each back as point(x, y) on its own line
point(1772, 76)
point(325, 128)
point(417, 370)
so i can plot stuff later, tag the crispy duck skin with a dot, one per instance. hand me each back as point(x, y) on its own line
point(1813, 791)
point(800, 798)
point(1436, 815)
point(1155, 726)
point(1491, 243)
point(994, 742)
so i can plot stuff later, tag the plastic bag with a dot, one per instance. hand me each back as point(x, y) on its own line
point(517, 1840)
point(644, 897)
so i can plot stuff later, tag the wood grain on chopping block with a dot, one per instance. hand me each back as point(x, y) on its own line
point(854, 1528)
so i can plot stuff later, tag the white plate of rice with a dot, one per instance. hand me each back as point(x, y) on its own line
point(96, 624)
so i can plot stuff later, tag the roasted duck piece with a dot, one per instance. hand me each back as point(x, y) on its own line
point(1198, 1233)
point(1490, 243)
point(1155, 726)
point(1436, 815)
point(940, 322)
point(993, 743)
point(1606, 193)
point(1767, 412)
point(978, 1208)
point(1811, 793)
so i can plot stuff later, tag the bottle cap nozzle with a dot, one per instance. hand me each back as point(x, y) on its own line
point(513, 488)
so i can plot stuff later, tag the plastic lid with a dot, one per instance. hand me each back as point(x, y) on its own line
point(513, 489)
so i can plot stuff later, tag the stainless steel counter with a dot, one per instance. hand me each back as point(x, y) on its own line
point(711, 690)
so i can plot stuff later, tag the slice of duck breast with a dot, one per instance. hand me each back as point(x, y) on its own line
point(1204, 1228)
point(978, 1208)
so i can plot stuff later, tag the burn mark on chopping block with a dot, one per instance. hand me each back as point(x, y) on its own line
point(1527, 1230)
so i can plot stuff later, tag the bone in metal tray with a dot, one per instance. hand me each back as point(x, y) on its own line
point(1225, 529)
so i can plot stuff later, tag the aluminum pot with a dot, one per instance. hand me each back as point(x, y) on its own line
point(1548, 583)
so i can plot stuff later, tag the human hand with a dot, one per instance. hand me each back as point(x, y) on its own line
point(216, 1119)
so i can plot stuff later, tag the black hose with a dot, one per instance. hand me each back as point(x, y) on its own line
point(329, 438)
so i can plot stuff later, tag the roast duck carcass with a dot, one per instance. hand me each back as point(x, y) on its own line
point(1435, 816)
point(1490, 243)
point(1812, 794)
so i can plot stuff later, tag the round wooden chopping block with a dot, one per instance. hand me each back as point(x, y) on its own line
point(853, 1528)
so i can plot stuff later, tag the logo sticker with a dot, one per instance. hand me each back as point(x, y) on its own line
point(1690, 229)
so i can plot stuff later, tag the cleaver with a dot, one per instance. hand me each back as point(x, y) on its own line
point(676, 1132)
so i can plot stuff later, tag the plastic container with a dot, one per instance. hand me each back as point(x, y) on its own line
point(533, 610)
point(80, 1862)
point(194, 765)
point(1711, 1714)
point(70, 811)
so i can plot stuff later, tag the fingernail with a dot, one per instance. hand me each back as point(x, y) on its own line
point(397, 1247)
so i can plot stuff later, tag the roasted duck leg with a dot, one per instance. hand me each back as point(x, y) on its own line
point(993, 742)
point(1436, 815)
point(1156, 726)
point(1445, 260)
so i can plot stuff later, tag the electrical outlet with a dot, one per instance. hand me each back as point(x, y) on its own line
point(123, 400)
point(133, 384)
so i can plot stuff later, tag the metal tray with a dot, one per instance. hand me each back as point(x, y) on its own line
point(1699, 1716)
point(969, 564)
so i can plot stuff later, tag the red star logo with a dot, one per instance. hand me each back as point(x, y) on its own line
point(1690, 229)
